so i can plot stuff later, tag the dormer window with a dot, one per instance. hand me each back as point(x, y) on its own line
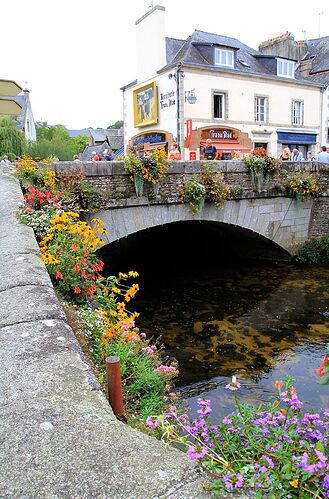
point(286, 68)
point(224, 57)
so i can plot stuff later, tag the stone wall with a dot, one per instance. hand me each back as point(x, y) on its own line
point(115, 184)
point(59, 436)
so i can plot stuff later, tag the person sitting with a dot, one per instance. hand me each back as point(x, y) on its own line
point(5, 160)
point(286, 154)
point(296, 155)
point(107, 155)
point(76, 159)
point(174, 153)
point(209, 151)
point(95, 156)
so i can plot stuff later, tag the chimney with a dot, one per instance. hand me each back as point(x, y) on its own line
point(305, 67)
point(150, 43)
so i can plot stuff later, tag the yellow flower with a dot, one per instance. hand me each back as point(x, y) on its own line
point(294, 483)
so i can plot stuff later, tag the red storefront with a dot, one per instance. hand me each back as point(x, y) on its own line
point(229, 142)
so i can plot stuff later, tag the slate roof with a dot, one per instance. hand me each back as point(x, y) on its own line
point(248, 60)
point(78, 133)
point(319, 49)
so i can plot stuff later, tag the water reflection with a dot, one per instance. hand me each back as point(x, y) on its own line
point(257, 322)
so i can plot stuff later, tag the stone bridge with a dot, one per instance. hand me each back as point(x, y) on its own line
point(270, 215)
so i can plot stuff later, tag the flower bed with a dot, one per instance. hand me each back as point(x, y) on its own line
point(68, 248)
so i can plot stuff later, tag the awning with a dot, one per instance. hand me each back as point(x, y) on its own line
point(227, 146)
point(296, 138)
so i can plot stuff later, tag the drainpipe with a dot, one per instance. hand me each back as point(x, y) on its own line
point(180, 107)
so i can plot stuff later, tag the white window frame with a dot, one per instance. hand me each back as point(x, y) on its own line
point(224, 57)
point(258, 111)
point(223, 96)
point(285, 68)
point(297, 112)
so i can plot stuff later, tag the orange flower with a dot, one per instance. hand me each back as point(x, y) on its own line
point(294, 483)
point(283, 411)
point(278, 384)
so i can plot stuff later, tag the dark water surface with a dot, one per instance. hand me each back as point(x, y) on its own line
point(259, 322)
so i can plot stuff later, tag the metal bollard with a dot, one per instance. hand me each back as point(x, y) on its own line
point(114, 385)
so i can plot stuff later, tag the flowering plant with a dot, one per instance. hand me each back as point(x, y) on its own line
point(302, 185)
point(276, 449)
point(39, 175)
point(217, 190)
point(323, 370)
point(39, 220)
point(68, 251)
point(194, 193)
point(155, 165)
point(259, 152)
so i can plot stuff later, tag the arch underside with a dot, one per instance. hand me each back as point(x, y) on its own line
point(274, 220)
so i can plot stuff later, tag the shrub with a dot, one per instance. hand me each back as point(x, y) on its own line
point(77, 194)
point(314, 252)
point(217, 190)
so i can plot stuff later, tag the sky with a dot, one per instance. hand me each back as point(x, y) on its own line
point(74, 55)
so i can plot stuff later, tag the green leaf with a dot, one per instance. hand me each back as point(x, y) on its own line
point(324, 380)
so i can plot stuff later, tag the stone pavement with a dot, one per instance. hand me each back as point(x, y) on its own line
point(58, 435)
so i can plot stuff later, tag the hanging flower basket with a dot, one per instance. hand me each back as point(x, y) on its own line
point(156, 188)
point(139, 185)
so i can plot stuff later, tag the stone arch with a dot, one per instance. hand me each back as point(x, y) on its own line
point(275, 219)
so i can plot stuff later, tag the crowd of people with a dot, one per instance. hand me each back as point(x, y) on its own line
point(296, 155)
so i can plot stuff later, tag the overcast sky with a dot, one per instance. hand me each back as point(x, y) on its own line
point(76, 54)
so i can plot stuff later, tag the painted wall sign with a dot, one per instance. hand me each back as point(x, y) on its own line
point(145, 105)
point(167, 99)
point(150, 138)
point(220, 134)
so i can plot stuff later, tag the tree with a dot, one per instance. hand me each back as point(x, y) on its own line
point(56, 141)
point(117, 124)
point(12, 141)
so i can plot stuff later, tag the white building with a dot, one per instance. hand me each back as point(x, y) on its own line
point(211, 86)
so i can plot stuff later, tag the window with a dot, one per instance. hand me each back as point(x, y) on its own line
point(224, 57)
point(219, 105)
point(261, 109)
point(286, 68)
point(297, 112)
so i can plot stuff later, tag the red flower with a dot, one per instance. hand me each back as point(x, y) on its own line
point(58, 275)
point(77, 290)
point(320, 371)
point(86, 253)
point(77, 267)
point(84, 274)
point(74, 246)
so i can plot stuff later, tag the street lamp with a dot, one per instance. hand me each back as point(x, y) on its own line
point(178, 75)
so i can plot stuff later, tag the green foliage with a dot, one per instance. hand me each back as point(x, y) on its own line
point(194, 194)
point(55, 141)
point(302, 185)
point(117, 124)
point(314, 252)
point(77, 194)
point(12, 141)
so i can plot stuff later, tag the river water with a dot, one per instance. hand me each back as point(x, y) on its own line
point(259, 322)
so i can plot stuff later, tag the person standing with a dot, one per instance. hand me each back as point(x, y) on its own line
point(296, 155)
point(174, 153)
point(286, 154)
point(95, 156)
point(209, 151)
point(323, 156)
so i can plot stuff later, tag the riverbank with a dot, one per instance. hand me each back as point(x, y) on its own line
point(59, 436)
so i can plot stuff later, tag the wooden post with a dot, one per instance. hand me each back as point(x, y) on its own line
point(114, 385)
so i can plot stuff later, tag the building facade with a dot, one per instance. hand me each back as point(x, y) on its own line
point(211, 86)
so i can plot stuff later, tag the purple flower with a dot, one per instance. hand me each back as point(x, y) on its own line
point(325, 483)
point(196, 452)
point(313, 466)
point(233, 481)
point(204, 407)
point(150, 423)
point(268, 460)
point(233, 386)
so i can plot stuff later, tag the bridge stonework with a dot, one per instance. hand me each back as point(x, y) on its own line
point(270, 214)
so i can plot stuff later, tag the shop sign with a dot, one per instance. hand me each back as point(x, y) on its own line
point(167, 99)
point(192, 155)
point(151, 138)
point(220, 134)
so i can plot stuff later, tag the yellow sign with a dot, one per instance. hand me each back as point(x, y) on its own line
point(9, 106)
point(9, 88)
point(146, 105)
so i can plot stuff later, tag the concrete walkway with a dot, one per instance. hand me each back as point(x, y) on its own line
point(58, 435)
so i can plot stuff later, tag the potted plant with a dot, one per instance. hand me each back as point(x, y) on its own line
point(134, 165)
point(154, 166)
point(194, 194)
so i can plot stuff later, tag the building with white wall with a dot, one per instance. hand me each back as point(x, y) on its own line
point(211, 86)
